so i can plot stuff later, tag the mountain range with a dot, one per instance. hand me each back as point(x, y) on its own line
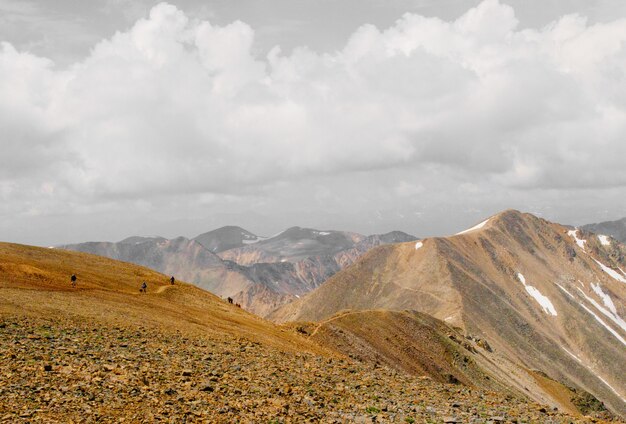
point(544, 297)
point(101, 350)
point(615, 229)
point(538, 305)
point(259, 273)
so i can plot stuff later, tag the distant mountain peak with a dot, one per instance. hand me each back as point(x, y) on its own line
point(226, 238)
point(615, 229)
point(141, 239)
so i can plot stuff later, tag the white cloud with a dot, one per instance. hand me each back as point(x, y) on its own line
point(177, 105)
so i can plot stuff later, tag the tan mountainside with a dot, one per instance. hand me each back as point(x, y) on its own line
point(36, 281)
point(540, 295)
point(102, 351)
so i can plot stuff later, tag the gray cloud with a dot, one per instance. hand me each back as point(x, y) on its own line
point(425, 120)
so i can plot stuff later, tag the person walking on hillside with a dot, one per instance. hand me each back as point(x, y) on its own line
point(172, 280)
point(144, 287)
point(73, 280)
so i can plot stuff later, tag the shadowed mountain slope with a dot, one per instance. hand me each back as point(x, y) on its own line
point(615, 229)
point(543, 295)
point(421, 345)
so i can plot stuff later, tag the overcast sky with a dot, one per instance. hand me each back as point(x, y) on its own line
point(122, 117)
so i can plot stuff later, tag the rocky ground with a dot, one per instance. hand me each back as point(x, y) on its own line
point(74, 370)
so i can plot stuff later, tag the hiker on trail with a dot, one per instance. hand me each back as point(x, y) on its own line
point(172, 280)
point(73, 280)
point(144, 287)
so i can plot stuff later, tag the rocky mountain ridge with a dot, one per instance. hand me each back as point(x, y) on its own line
point(544, 296)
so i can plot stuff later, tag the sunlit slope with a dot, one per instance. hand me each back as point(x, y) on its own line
point(546, 296)
point(36, 282)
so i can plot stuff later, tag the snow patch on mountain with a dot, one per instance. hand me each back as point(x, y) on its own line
point(611, 313)
point(474, 228)
point(594, 373)
point(565, 290)
point(572, 355)
point(252, 241)
point(543, 301)
point(579, 242)
point(604, 240)
point(614, 274)
point(604, 324)
point(611, 387)
point(606, 299)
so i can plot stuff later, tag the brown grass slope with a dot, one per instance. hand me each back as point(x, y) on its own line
point(36, 282)
point(472, 281)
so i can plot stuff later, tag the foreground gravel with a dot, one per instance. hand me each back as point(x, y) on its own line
point(79, 371)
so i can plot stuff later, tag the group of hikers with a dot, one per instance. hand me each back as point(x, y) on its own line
point(142, 289)
point(230, 300)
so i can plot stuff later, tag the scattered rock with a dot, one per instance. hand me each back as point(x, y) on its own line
point(483, 343)
point(207, 388)
point(102, 379)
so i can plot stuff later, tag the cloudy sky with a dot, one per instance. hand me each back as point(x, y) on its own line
point(122, 117)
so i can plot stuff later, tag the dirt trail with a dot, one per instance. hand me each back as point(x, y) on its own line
point(332, 319)
point(163, 288)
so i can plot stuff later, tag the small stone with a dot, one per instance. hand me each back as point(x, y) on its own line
point(450, 420)
point(187, 373)
point(207, 388)
point(47, 367)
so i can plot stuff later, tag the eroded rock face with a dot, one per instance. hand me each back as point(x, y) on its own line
point(548, 296)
